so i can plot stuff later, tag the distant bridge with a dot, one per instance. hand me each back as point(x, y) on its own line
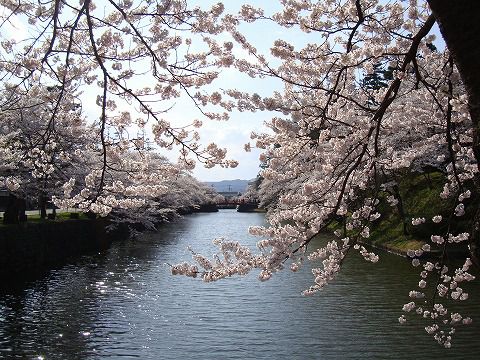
point(230, 194)
point(234, 201)
point(238, 204)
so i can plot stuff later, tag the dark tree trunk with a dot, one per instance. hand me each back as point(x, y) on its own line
point(10, 216)
point(22, 207)
point(53, 215)
point(474, 244)
point(459, 22)
point(400, 209)
point(42, 204)
point(15, 211)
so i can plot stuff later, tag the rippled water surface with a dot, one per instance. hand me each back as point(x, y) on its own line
point(124, 304)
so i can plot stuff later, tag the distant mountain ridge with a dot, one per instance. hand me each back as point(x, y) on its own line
point(236, 185)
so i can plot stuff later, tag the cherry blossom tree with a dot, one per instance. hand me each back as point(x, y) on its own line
point(337, 141)
point(147, 191)
point(37, 155)
point(124, 61)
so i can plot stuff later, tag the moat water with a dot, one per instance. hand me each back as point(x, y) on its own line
point(123, 303)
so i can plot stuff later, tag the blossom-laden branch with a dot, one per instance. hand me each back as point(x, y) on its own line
point(127, 58)
point(340, 140)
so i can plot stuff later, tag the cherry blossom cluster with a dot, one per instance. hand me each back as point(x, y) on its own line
point(144, 190)
point(444, 322)
point(36, 151)
point(231, 259)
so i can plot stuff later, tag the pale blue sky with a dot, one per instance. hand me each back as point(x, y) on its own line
point(234, 133)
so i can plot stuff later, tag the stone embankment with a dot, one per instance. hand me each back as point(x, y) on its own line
point(32, 246)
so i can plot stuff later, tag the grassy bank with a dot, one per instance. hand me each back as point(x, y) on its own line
point(418, 196)
point(62, 215)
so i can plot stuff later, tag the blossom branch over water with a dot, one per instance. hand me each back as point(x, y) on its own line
point(367, 95)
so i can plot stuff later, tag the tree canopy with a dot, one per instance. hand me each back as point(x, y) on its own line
point(367, 94)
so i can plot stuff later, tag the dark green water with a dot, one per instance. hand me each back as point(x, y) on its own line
point(123, 304)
